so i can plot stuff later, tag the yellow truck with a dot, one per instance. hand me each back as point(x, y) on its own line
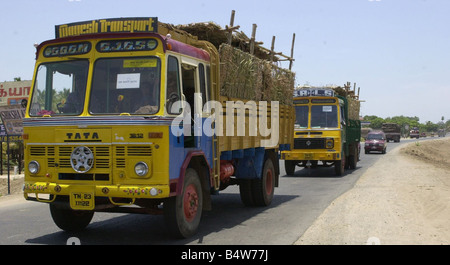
point(327, 130)
point(128, 115)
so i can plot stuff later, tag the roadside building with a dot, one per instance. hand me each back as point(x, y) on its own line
point(12, 93)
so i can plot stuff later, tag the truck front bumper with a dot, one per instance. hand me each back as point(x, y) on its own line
point(82, 196)
point(312, 155)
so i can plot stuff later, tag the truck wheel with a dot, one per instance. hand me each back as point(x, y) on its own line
point(289, 166)
point(263, 189)
point(259, 192)
point(339, 165)
point(353, 159)
point(246, 192)
point(70, 220)
point(183, 213)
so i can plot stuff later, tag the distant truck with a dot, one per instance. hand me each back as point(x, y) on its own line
point(441, 132)
point(414, 133)
point(392, 131)
point(327, 129)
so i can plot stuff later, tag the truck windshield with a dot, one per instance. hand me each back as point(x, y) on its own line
point(375, 137)
point(59, 88)
point(324, 116)
point(126, 85)
point(301, 117)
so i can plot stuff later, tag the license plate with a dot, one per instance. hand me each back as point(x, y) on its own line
point(309, 156)
point(374, 147)
point(82, 200)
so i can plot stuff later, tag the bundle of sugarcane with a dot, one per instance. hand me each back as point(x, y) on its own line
point(353, 108)
point(279, 85)
point(244, 76)
point(215, 34)
point(208, 31)
point(240, 74)
point(354, 105)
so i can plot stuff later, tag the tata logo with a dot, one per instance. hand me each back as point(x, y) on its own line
point(86, 136)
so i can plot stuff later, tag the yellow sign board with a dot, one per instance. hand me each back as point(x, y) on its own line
point(142, 63)
point(113, 25)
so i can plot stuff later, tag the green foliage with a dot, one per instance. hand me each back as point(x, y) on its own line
point(16, 153)
point(376, 122)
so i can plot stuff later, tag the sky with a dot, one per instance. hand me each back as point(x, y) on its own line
point(396, 51)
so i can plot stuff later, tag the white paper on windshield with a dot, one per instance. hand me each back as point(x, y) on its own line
point(125, 81)
point(327, 109)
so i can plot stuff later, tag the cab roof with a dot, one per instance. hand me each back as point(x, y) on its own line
point(168, 43)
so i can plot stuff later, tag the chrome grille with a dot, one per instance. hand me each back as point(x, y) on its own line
point(104, 158)
point(139, 151)
point(309, 143)
point(101, 154)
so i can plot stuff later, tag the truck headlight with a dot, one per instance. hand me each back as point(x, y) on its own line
point(141, 169)
point(329, 143)
point(33, 167)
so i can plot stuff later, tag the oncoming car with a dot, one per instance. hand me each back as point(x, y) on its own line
point(375, 141)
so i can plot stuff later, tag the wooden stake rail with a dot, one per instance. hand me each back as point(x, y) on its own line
point(253, 43)
point(213, 33)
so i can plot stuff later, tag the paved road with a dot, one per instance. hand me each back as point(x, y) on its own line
point(298, 201)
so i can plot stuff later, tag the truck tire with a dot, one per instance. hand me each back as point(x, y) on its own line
point(353, 158)
point(246, 192)
point(289, 166)
point(339, 165)
point(259, 192)
point(263, 189)
point(70, 220)
point(183, 213)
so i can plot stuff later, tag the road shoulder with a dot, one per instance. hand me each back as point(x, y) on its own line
point(16, 189)
point(399, 200)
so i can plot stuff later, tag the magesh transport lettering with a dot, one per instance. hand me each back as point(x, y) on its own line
point(107, 26)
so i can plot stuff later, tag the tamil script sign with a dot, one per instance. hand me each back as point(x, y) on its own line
point(12, 117)
point(12, 93)
point(4, 137)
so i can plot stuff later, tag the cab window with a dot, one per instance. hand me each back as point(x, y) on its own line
point(324, 116)
point(60, 88)
point(173, 93)
point(126, 85)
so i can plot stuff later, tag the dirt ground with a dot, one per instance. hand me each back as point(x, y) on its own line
point(404, 199)
point(16, 183)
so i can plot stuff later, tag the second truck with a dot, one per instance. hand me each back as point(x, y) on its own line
point(327, 130)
